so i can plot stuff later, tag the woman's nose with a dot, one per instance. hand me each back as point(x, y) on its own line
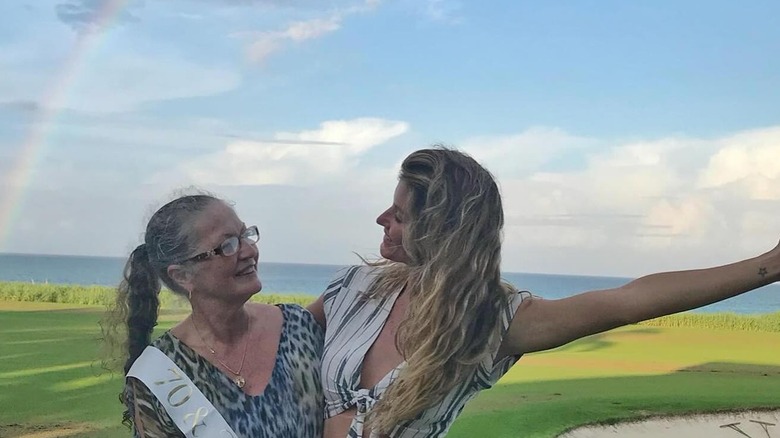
point(248, 249)
point(382, 218)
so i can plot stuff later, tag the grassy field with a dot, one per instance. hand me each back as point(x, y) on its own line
point(628, 373)
point(50, 379)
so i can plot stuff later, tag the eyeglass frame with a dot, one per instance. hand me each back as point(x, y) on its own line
point(219, 251)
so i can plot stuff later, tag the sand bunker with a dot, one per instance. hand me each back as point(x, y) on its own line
point(752, 424)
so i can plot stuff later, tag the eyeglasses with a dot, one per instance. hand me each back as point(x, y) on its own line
point(230, 246)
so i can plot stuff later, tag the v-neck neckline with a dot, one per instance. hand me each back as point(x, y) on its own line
point(226, 377)
point(387, 306)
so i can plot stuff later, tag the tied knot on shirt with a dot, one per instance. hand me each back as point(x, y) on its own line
point(362, 400)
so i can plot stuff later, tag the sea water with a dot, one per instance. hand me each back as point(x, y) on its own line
point(311, 279)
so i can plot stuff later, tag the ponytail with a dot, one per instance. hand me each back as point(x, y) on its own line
point(127, 326)
point(140, 289)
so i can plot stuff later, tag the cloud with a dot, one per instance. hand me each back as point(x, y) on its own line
point(442, 11)
point(749, 160)
point(21, 106)
point(624, 206)
point(115, 81)
point(124, 81)
point(572, 204)
point(519, 154)
point(628, 199)
point(294, 158)
point(191, 16)
point(637, 201)
point(95, 15)
point(439, 12)
point(264, 44)
point(286, 3)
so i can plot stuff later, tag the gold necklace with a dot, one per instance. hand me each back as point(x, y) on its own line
point(239, 380)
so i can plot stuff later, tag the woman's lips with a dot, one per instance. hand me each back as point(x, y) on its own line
point(249, 270)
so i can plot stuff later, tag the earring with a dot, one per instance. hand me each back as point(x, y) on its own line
point(190, 295)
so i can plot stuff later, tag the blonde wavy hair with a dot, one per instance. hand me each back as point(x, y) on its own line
point(453, 240)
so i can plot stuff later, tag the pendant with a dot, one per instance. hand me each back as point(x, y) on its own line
point(239, 381)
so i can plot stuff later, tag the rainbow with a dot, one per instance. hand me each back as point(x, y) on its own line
point(22, 171)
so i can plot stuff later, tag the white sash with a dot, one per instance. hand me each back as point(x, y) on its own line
point(193, 414)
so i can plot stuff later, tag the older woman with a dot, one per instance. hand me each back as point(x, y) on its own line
point(410, 340)
point(231, 368)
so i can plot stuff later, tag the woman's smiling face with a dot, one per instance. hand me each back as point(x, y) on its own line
point(393, 221)
point(225, 275)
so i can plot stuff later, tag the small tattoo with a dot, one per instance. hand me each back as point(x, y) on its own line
point(762, 272)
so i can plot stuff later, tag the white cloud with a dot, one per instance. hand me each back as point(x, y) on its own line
point(513, 155)
point(266, 43)
point(669, 222)
point(623, 178)
point(636, 201)
point(112, 82)
point(750, 160)
point(445, 11)
point(295, 158)
point(626, 208)
point(307, 30)
point(124, 82)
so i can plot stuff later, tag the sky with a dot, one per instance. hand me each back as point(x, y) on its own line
point(627, 137)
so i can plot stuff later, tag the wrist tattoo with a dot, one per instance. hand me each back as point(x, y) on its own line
point(762, 272)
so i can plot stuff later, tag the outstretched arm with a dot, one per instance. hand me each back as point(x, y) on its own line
point(543, 324)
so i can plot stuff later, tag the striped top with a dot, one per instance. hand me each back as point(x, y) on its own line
point(353, 324)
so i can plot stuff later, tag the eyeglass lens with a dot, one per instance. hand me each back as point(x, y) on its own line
point(231, 245)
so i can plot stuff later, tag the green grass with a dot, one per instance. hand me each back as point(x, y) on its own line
point(50, 371)
point(49, 375)
point(631, 372)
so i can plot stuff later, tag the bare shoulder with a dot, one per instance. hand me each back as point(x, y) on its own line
point(260, 309)
point(317, 309)
point(269, 314)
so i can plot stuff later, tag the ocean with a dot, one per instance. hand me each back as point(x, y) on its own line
point(312, 279)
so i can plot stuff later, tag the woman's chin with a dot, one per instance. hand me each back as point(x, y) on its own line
point(252, 286)
point(393, 256)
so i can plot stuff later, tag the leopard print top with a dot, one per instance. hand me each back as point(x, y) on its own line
point(290, 406)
